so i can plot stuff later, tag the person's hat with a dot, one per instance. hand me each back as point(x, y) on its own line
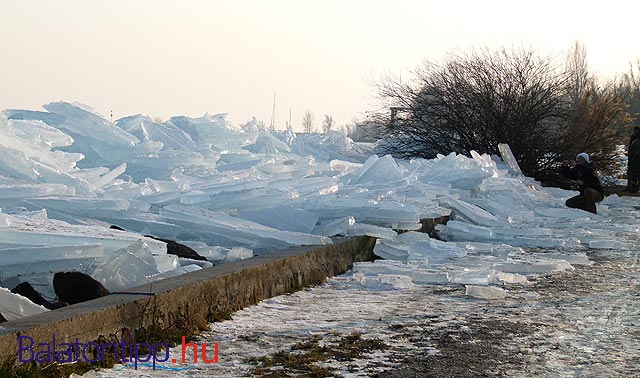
point(583, 155)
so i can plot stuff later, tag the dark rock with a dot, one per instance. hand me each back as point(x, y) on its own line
point(2, 319)
point(26, 290)
point(114, 227)
point(76, 287)
point(57, 305)
point(180, 250)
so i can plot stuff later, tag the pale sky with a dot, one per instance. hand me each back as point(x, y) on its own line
point(186, 57)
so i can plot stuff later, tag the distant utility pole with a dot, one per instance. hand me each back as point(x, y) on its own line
point(273, 113)
point(394, 113)
point(112, 117)
point(290, 118)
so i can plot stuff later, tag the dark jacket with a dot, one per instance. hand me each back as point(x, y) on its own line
point(633, 153)
point(587, 174)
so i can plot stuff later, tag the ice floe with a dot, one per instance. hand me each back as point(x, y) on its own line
point(68, 174)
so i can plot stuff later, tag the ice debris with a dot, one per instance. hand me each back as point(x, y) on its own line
point(68, 173)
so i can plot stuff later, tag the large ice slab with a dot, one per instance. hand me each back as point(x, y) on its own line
point(479, 277)
point(128, 267)
point(82, 264)
point(145, 129)
point(377, 170)
point(485, 292)
point(214, 225)
point(605, 244)
point(349, 227)
point(32, 255)
point(526, 267)
point(80, 205)
point(509, 159)
point(386, 213)
point(14, 192)
point(455, 170)
point(515, 235)
point(268, 144)
point(286, 218)
point(14, 306)
point(469, 212)
point(84, 121)
point(38, 232)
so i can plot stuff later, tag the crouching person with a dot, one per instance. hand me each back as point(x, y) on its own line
point(584, 174)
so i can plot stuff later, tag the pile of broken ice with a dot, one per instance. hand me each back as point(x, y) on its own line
point(229, 193)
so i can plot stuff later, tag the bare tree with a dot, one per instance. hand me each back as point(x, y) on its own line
point(632, 77)
point(598, 125)
point(474, 101)
point(578, 71)
point(629, 89)
point(599, 118)
point(307, 122)
point(478, 99)
point(328, 123)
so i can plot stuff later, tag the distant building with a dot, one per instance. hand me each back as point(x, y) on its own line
point(363, 131)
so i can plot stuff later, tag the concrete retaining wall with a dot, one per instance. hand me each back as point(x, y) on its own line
point(194, 296)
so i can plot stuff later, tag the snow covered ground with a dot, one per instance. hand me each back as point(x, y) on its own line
point(67, 174)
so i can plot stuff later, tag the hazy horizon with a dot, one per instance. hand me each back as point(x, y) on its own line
point(163, 58)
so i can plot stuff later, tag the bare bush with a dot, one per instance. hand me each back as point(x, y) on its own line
point(476, 100)
point(629, 89)
point(328, 123)
point(598, 120)
point(598, 125)
point(307, 122)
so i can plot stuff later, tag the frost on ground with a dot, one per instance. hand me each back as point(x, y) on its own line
point(582, 322)
point(579, 323)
